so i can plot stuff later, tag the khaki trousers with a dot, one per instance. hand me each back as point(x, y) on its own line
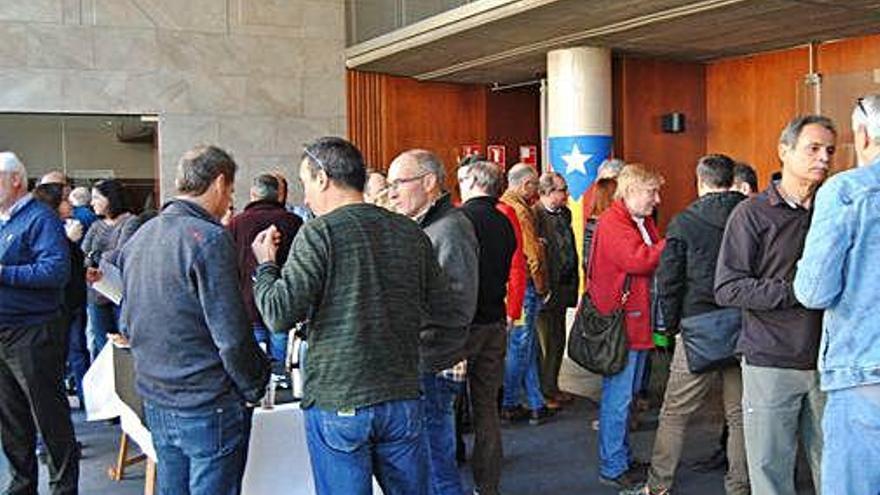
point(685, 395)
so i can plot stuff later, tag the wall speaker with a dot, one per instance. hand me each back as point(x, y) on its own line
point(673, 123)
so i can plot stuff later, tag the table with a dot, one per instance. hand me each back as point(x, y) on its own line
point(278, 459)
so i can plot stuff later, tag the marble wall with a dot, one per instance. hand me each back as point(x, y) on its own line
point(257, 77)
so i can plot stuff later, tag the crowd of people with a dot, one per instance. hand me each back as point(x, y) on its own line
point(414, 305)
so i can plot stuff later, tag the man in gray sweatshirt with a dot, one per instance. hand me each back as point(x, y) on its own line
point(416, 180)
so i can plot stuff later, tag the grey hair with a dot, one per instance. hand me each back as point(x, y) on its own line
point(200, 166)
point(795, 127)
point(546, 183)
point(611, 165)
point(867, 113)
point(519, 173)
point(487, 177)
point(10, 164)
point(80, 196)
point(429, 162)
point(265, 186)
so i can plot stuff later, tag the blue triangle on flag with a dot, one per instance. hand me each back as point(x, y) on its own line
point(577, 159)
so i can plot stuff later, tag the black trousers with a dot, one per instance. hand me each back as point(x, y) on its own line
point(31, 388)
point(487, 345)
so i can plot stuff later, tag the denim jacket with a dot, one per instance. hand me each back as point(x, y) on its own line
point(840, 272)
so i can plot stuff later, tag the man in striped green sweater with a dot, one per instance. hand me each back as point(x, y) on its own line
point(368, 281)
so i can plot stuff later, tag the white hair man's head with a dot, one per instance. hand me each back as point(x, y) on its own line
point(866, 129)
point(13, 180)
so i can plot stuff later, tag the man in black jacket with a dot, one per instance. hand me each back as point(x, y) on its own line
point(196, 361)
point(481, 184)
point(685, 280)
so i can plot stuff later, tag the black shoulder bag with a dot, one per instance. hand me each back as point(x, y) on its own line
point(597, 342)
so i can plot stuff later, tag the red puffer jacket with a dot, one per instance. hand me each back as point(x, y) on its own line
point(618, 249)
point(516, 282)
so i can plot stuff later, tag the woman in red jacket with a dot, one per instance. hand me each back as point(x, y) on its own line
point(626, 243)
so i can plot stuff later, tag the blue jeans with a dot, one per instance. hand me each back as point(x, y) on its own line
point(851, 454)
point(438, 399)
point(521, 366)
point(348, 447)
point(200, 451)
point(276, 342)
point(618, 390)
point(102, 320)
point(77, 350)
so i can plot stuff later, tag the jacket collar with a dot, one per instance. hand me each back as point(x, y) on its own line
point(184, 207)
point(263, 204)
point(437, 210)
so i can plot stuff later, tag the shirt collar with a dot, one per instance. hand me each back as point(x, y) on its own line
point(777, 197)
point(16, 207)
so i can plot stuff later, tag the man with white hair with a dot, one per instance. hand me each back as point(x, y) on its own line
point(81, 198)
point(838, 272)
point(416, 190)
point(34, 268)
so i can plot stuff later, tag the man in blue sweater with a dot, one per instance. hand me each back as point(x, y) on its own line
point(34, 268)
point(196, 361)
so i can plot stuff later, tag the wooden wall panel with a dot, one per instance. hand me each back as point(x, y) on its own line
point(749, 100)
point(389, 115)
point(649, 88)
point(513, 118)
point(850, 55)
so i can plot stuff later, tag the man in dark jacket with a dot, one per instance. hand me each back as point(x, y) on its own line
point(779, 342)
point(416, 190)
point(263, 210)
point(34, 268)
point(196, 361)
point(553, 220)
point(685, 282)
point(481, 184)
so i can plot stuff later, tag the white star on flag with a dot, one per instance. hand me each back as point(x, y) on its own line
point(574, 161)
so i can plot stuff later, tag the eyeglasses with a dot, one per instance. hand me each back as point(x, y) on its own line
point(315, 159)
point(862, 106)
point(393, 185)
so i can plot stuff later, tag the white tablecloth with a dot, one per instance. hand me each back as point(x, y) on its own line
point(278, 459)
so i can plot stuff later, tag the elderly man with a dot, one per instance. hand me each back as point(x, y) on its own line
point(416, 180)
point(196, 361)
point(480, 183)
point(263, 210)
point(685, 280)
point(779, 342)
point(839, 273)
point(521, 369)
point(34, 268)
point(554, 227)
point(369, 281)
point(626, 251)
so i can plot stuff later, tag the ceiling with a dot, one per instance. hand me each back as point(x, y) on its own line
point(506, 41)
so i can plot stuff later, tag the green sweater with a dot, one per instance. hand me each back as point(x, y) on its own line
point(367, 279)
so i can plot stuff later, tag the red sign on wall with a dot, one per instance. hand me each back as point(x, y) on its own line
point(528, 153)
point(470, 149)
point(497, 153)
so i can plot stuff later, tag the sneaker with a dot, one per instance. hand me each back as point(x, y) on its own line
point(538, 416)
point(644, 489)
point(622, 482)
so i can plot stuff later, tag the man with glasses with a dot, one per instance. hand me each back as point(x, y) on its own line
point(779, 343)
point(369, 283)
point(416, 179)
point(521, 370)
point(838, 272)
point(554, 227)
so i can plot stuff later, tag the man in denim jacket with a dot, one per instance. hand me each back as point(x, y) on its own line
point(839, 273)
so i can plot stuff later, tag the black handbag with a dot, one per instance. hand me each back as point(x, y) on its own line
point(597, 342)
point(710, 339)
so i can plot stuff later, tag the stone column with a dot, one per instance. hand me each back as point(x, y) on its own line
point(579, 126)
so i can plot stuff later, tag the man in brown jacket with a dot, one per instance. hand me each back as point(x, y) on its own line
point(521, 367)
